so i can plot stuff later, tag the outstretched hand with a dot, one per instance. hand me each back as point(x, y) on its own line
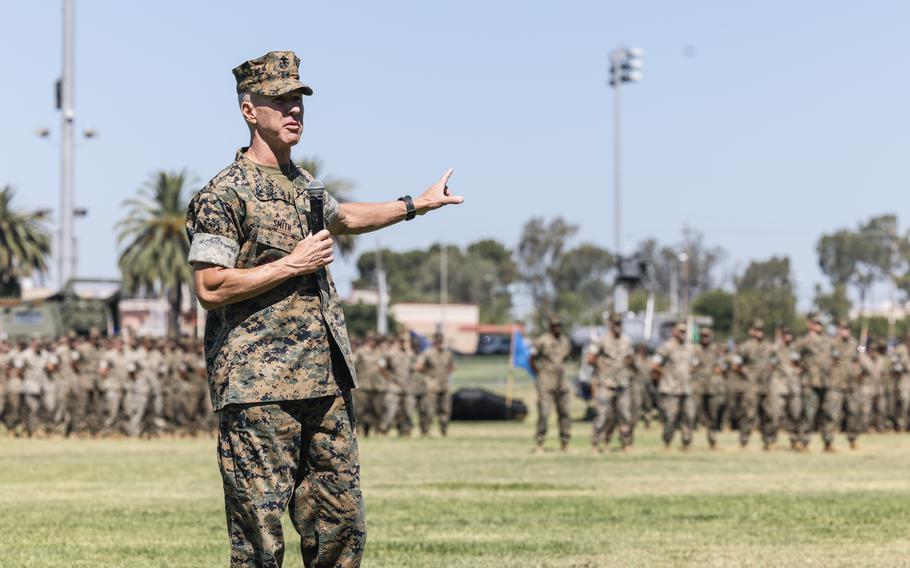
point(437, 195)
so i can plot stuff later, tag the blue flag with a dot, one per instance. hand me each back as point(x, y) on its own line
point(521, 353)
point(422, 341)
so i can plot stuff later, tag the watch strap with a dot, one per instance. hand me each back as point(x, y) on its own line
point(411, 212)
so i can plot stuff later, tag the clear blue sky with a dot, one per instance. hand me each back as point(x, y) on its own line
point(791, 118)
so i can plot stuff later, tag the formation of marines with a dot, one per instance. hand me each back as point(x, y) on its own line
point(817, 383)
point(400, 383)
point(103, 386)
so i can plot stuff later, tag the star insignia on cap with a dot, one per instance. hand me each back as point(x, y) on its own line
point(284, 61)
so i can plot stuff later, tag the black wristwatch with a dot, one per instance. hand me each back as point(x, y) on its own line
point(409, 205)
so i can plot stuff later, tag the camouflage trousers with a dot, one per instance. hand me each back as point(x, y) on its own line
point(825, 406)
point(900, 404)
point(770, 416)
point(297, 455)
point(874, 409)
point(678, 413)
point(368, 409)
point(853, 413)
point(743, 410)
point(395, 414)
point(612, 407)
point(793, 410)
point(547, 399)
point(710, 408)
point(439, 405)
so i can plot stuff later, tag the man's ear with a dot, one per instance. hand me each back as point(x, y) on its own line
point(248, 110)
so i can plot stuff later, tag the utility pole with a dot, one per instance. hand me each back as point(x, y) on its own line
point(382, 309)
point(443, 286)
point(66, 265)
point(625, 67)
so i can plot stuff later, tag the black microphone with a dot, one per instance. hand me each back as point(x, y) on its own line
point(315, 191)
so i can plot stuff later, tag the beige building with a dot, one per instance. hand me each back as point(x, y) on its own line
point(458, 322)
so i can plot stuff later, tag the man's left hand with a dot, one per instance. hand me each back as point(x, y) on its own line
point(437, 195)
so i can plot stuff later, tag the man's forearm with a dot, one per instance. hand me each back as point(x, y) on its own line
point(217, 286)
point(357, 218)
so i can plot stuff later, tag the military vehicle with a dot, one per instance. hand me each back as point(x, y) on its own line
point(82, 305)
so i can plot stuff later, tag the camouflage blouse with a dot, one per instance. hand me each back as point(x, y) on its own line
point(290, 342)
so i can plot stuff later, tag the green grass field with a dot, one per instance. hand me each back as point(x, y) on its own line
point(478, 499)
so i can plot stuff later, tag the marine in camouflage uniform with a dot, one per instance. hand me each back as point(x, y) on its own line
point(612, 357)
point(672, 363)
point(399, 366)
point(752, 367)
point(548, 358)
point(113, 370)
point(5, 360)
point(33, 365)
point(845, 394)
point(873, 374)
point(436, 364)
point(86, 397)
point(279, 360)
point(814, 350)
point(789, 369)
point(709, 383)
point(899, 386)
point(14, 414)
point(642, 389)
point(371, 376)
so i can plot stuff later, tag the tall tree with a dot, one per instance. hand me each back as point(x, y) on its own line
point(696, 272)
point(156, 246)
point(539, 253)
point(765, 290)
point(340, 189)
point(24, 244)
point(580, 281)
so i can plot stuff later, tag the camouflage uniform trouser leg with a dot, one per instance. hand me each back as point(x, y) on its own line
point(813, 399)
point(362, 411)
point(793, 410)
point(771, 410)
point(902, 409)
point(33, 412)
point(439, 404)
point(79, 410)
point(391, 403)
point(425, 413)
point(112, 400)
point(12, 415)
point(745, 407)
point(678, 412)
point(832, 414)
point(405, 412)
point(546, 400)
point(297, 455)
point(135, 406)
point(613, 407)
point(712, 406)
point(853, 407)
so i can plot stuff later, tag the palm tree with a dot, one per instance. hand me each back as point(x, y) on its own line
point(340, 189)
point(154, 258)
point(24, 244)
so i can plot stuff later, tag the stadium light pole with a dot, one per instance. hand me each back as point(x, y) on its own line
point(625, 67)
point(65, 253)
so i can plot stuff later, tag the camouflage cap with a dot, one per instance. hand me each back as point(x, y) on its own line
point(616, 319)
point(843, 323)
point(553, 320)
point(758, 324)
point(813, 317)
point(680, 326)
point(705, 330)
point(275, 73)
